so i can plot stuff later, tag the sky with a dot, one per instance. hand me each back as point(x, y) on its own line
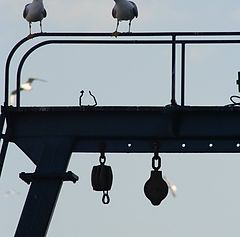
point(207, 202)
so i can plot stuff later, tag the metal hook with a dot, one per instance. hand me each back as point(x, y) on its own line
point(94, 98)
point(80, 98)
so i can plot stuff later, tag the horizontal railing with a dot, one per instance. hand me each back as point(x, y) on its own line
point(176, 38)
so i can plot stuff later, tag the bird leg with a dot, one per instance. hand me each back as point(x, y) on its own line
point(41, 26)
point(117, 25)
point(30, 28)
point(116, 33)
point(129, 26)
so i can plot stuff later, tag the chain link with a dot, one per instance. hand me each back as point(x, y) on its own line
point(105, 198)
point(156, 161)
point(102, 158)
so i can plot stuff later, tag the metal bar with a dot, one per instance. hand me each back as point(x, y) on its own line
point(107, 34)
point(3, 151)
point(43, 194)
point(3, 154)
point(130, 129)
point(7, 66)
point(173, 96)
point(135, 34)
point(116, 42)
point(183, 75)
point(47, 42)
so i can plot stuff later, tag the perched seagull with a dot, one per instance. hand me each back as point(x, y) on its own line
point(34, 12)
point(172, 187)
point(27, 86)
point(124, 10)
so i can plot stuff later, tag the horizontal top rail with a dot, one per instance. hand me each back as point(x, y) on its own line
point(135, 34)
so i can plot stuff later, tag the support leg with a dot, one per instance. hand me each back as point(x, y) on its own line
point(43, 194)
point(3, 154)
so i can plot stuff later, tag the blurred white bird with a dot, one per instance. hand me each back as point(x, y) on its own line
point(34, 12)
point(172, 187)
point(27, 86)
point(124, 10)
point(10, 192)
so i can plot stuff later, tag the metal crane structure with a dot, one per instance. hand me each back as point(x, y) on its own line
point(49, 135)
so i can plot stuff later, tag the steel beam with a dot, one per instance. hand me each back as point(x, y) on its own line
point(127, 129)
point(43, 193)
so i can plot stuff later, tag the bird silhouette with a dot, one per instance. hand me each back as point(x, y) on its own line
point(124, 10)
point(34, 12)
point(26, 86)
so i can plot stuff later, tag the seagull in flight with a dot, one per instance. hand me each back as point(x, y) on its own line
point(34, 12)
point(172, 187)
point(26, 86)
point(124, 10)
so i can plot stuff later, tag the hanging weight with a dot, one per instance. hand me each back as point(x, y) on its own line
point(156, 189)
point(101, 177)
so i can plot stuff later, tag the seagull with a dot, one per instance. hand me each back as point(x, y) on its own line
point(10, 192)
point(34, 12)
point(124, 10)
point(172, 187)
point(26, 86)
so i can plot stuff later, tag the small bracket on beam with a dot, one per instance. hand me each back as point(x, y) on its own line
point(30, 177)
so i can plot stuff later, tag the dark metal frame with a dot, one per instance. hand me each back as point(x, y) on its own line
point(48, 135)
point(173, 41)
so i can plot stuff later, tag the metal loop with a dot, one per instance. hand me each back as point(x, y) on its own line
point(156, 162)
point(105, 198)
point(102, 158)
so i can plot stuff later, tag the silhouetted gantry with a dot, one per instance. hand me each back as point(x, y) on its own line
point(48, 135)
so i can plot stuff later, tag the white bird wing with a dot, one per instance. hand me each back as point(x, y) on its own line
point(135, 10)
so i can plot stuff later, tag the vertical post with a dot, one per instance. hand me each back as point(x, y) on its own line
point(183, 76)
point(18, 89)
point(173, 98)
point(43, 193)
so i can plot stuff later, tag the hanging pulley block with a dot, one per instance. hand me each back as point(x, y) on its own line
point(102, 177)
point(156, 189)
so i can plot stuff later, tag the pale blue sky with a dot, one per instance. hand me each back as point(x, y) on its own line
point(128, 75)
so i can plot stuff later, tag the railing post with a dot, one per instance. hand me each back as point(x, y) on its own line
point(173, 96)
point(183, 75)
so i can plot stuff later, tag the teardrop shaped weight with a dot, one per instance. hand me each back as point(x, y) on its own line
point(156, 189)
point(102, 177)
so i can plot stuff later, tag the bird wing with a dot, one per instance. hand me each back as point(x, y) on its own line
point(25, 11)
point(14, 92)
point(135, 10)
point(31, 79)
point(114, 12)
point(44, 13)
